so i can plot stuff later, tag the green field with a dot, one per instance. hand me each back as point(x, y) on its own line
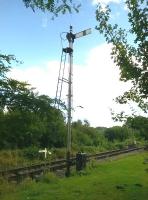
point(125, 178)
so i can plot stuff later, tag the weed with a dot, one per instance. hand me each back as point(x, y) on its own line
point(49, 177)
point(138, 184)
point(92, 164)
point(6, 187)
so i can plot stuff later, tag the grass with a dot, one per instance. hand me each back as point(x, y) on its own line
point(124, 178)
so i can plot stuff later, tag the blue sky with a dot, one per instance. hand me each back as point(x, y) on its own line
point(35, 39)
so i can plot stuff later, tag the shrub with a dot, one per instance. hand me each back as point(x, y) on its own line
point(27, 183)
point(92, 164)
point(31, 153)
point(6, 187)
point(49, 177)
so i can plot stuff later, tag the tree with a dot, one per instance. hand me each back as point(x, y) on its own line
point(130, 58)
point(39, 124)
point(117, 133)
point(139, 124)
point(84, 135)
point(13, 94)
point(26, 118)
point(86, 123)
point(53, 6)
point(24, 129)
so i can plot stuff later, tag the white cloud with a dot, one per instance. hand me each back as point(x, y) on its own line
point(44, 21)
point(105, 2)
point(43, 78)
point(126, 8)
point(94, 85)
point(115, 15)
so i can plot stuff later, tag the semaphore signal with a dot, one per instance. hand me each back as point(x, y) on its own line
point(69, 50)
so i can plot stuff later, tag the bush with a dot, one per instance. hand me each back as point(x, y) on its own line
point(120, 145)
point(10, 159)
point(27, 183)
point(49, 177)
point(31, 153)
point(6, 187)
point(117, 133)
point(92, 164)
point(58, 153)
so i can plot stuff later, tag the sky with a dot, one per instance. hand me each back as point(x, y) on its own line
point(35, 39)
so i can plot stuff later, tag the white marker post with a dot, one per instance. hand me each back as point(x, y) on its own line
point(45, 151)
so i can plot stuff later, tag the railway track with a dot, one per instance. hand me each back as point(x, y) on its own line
point(20, 173)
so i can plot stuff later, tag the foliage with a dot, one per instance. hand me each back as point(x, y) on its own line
point(10, 159)
point(117, 133)
point(124, 178)
point(92, 164)
point(139, 124)
point(49, 177)
point(27, 118)
point(6, 187)
point(12, 92)
point(31, 153)
point(5, 63)
point(53, 6)
point(85, 135)
point(26, 129)
point(130, 57)
point(27, 183)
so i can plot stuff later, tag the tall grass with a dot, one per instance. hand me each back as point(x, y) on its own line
point(120, 179)
point(28, 156)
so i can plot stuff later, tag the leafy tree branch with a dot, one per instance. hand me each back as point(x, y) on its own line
point(130, 57)
point(55, 7)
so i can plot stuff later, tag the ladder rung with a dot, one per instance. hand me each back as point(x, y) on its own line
point(64, 79)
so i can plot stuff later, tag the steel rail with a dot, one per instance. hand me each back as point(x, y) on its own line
point(37, 169)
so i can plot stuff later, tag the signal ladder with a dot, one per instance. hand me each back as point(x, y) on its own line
point(61, 79)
